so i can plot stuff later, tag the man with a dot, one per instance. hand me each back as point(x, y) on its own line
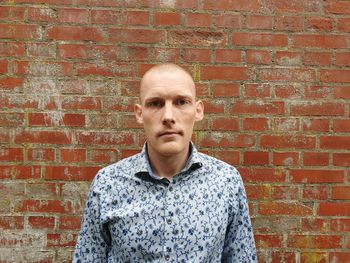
point(168, 203)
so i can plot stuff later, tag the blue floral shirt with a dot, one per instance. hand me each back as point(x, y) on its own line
point(132, 215)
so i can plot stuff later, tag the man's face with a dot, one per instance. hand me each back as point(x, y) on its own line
point(168, 111)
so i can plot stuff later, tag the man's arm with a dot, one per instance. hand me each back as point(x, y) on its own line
point(93, 241)
point(239, 240)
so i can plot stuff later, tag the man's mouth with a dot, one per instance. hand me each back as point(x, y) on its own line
point(169, 133)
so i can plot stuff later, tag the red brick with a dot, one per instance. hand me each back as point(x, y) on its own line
point(197, 55)
point(73, 155)
point(268, 240)
point(344, 24)
point(77, 33)
point(198, 20)
point(163, 55)
point(20, 172)
point(314, 224)
point(44, 137)
point(342, 59)
point(341, 159)
point(136, 35)
point(258, 191)
point(339, 256)
point(225, 90)
point(41, 222)
point(314, 241)
point(341, 125)
point(24, 31)
point(284, 208)
point(3, 66)
point(317, 109)
point(254, 107)
point(229, 21)
point(41, 154)
point(197, 38)
point(239, 5)
point(73, 51)
point(225, 140)
point(228, 56)
point(288, 58)
point(8, 119)
point(44, 206)
point(316, 176)
point(317, 125)
point(42, 50)
point(340, 225)
point(70, 173)
point(12, 49)
point(285, 192)
point(104, 138)
point(307, 257)
point(223, 72)
point(136, 18)
point(255, 124)
point(286, 158)
point(259, 22)
point(335, 75)
point(224, 123)
point(319, 92)
point(316, 159)
point(315, 192)
point(42, 14)
point(167, 19)
point(11, 222)
point(259, 57)
point(289, 23)
point(73, 15)
point(46, 119)
point(288, 91)
point(61, 240)
point(229, 156)
point(342, 92)
point(341, 192)
point(43, 68)
point(320, 23)
point(262, 175)
point(109, 69)
point(103, 155)
point(254, 39)
point(319, 41)
point(335, 142)
point(292, 6)
point(317, 58)
point(287, 74)
point(337, 7)
point(105, 121)
point(334, 209)
point(286, 124)
point(288, 141)
point(124, 104)
point(11, 154)
point(69, 222)
point(104, 16)
point(255, 158)
point(286, 257)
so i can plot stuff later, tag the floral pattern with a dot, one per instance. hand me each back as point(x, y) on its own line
point(132, 215)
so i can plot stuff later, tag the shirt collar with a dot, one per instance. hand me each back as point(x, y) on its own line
point(143, 165)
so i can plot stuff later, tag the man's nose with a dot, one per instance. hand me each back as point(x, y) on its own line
point(168, 115)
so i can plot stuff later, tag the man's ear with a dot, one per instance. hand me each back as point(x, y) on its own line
point(199, 110)
point(138, 113)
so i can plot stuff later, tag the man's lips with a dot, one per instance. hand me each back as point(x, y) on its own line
point(165, 133)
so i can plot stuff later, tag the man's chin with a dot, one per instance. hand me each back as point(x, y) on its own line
point(170, 148)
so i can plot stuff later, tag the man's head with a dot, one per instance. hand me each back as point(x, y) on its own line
point(168, 109)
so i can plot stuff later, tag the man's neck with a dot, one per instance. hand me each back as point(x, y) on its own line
point(165, 165)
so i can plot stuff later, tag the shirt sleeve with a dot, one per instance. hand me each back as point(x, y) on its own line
point(93, 242)
point(239, 243)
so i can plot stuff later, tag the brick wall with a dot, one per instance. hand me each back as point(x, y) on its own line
point(275, 79)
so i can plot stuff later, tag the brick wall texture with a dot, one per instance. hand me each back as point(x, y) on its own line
point(274, 76)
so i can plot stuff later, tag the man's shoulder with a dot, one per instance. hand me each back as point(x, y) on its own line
point(213, 164)
point(122, 168)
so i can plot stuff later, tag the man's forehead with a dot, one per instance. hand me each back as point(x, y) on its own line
point(163, 79)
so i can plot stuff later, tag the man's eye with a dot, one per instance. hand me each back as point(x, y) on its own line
point(154, 104)
point(181, 102)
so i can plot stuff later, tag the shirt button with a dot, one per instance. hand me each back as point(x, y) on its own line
point(169, 221)
point(167, 257)
point(171, 188)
